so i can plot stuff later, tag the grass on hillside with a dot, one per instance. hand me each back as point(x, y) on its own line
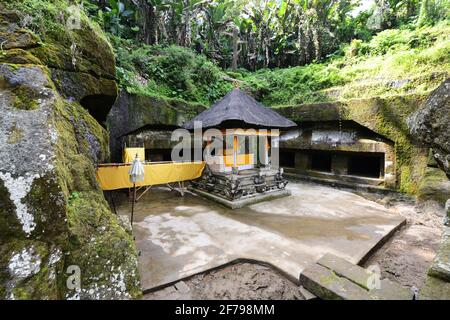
point(393, 62)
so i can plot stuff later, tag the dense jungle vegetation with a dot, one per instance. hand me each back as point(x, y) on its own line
point(284, 51)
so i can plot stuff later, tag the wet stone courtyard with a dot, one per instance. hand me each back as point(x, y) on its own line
point(182, 236)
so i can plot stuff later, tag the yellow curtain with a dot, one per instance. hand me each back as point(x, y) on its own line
point(113, 177)
point(129, 154)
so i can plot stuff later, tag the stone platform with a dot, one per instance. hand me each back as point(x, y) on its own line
point(182, 236)
point(243, 201)
point(241, 188)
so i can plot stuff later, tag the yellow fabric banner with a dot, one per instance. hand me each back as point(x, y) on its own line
point(113, 177)
point(129, 154)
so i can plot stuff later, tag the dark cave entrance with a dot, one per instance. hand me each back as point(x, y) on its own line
point(157, 155)
point(365, 165)
point(98, 106)
point(287, 158)
point(321, 161)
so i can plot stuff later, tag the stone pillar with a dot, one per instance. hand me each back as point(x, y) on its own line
point(302, 161)
point(390, 179)
point(339, 164)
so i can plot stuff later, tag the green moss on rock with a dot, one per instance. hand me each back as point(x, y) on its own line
point(18, 56)
point(44, 225)
point(28, 269)
point(9, 224)
point(434, 186)
point(102, 248)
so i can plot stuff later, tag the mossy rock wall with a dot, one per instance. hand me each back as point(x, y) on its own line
point(385, 116)
point(131, 112)
point(431, 125)
point(52, 213)
point(434, 186)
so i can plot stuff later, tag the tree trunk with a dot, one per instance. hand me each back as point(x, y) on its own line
point(317, 43)
point(186, 34)
point(234, 62)
point(148, 20)
point(301, 45)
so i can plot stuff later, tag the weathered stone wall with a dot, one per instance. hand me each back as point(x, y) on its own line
point(131, 112)
point(431, 124)
point(341, 138)
point(387, 117)
point(52, 213)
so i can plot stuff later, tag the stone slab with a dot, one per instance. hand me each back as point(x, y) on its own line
point(182, 287)
point(343, 268)
point(325, 284)
point(387, 290)
point(245, 201)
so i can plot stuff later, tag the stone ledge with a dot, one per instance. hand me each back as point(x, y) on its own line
point(325, 284)
point(336, 278)
point(243, 202)
point(345, 269)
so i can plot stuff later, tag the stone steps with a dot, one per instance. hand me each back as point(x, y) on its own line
point(335, 278)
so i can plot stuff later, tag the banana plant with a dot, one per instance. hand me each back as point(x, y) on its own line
point(116, 16)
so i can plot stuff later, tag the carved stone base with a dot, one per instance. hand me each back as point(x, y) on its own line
point(244, 184)
point(244, 201)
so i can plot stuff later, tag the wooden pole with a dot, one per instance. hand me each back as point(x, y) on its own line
point(113, 202)
point(235, 150)
point(132, 204)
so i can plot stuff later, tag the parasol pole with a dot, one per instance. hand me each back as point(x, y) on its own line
point(132, 204)
point(136, 174)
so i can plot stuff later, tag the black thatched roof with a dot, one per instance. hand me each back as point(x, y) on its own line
point(238, 107)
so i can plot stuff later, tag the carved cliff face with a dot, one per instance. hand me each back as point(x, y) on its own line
point(431, 124)
point(53, 216)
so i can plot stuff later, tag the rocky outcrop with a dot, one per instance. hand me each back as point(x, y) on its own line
point(431, 124)
point(58, 237)
point(434, 186)
point(131, 112)
point(385, 116)
point(437, 283)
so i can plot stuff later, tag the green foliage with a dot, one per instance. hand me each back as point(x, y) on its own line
point(433, 10)
point(395, 61)
point(256, 34)
point(172, 71)
point(292, 85)
point(116, 17)
point(40, 16)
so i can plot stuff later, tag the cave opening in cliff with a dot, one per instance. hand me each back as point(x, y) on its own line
point(321, 161)
point(365, 165)
point(287, 158)
point(98, 106)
